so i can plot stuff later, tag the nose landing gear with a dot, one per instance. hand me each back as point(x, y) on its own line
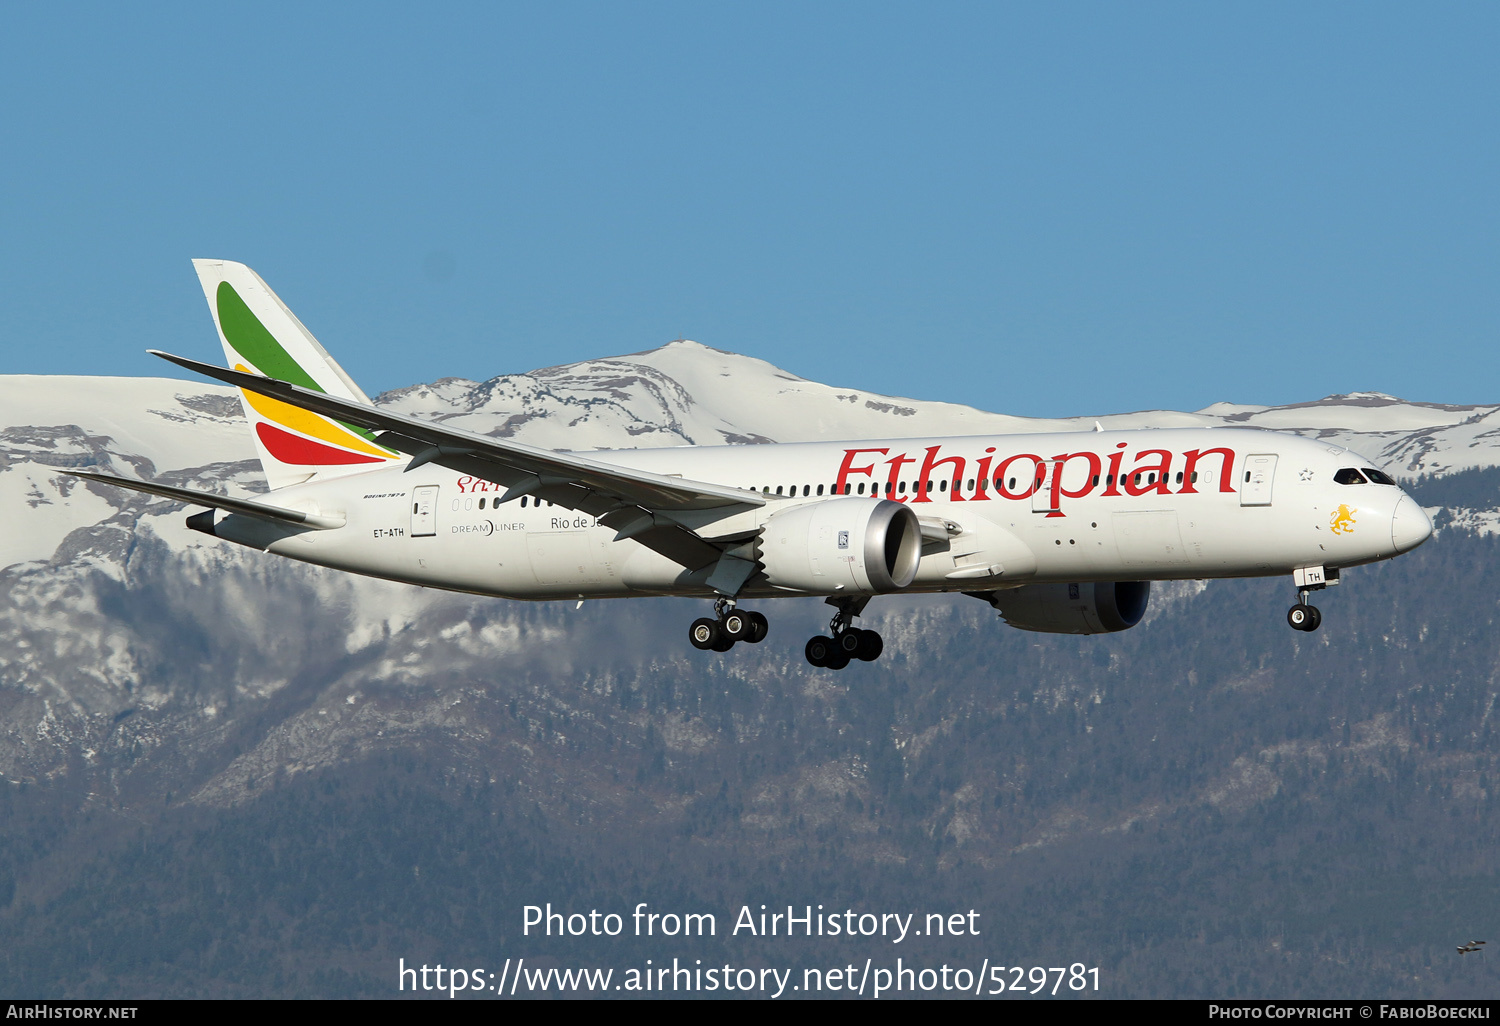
point(1304, 617)
point(718, 634)
point(844, 641)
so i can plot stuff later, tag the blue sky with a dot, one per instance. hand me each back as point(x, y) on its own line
point(1043, 209)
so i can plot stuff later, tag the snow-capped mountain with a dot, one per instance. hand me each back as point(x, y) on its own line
point(158, 686)
point(681, 394)
point(104, 590)
point(689, 394)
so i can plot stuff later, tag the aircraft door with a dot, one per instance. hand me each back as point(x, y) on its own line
point(1041, 499)
point(424, 511)
point(1256, 480)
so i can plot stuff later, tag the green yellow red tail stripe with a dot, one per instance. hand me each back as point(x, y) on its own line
point(260, 335)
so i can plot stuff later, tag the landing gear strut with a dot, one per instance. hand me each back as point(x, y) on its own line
point(1302, 616)
point(844, 641)
point(729, 624)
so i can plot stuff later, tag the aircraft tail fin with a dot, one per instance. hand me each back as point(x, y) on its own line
point(261, 336)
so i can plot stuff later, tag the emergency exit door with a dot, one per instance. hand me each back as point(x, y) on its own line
point(1256, 480)
point(1041, 499)
point(424, 511)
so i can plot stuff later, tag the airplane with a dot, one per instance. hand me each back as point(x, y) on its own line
point(1061, 532)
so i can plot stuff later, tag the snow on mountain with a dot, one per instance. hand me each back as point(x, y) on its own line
point(689, 394)
point(1407, 438)
point(173, 424)
point(123, 634)
point(145, 427)
point(681, 394)
point(41, 510)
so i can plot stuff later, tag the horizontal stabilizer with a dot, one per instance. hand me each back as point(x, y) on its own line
point(247, 507)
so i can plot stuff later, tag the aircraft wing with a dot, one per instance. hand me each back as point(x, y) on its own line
point(639, 504)
point(248, 507)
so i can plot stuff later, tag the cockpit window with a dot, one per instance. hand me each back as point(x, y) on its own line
point(1378, 476)
point(1349, 476)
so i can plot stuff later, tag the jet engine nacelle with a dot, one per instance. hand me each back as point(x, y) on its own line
point(1100, 607)
point(842, 546)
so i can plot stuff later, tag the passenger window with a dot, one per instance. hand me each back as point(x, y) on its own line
point(901, 487)
point(1379, 476)
point(1195, 477)
point(820, 489)
point(807, 490)
point(861, 488)
point(1179, 477)
point(1348, 475)
point(481, 504)
point(942, 486)
point(523, 501)
point(778, 489)
point(1012, 484)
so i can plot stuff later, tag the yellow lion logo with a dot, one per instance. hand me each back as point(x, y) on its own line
point(1343, 520)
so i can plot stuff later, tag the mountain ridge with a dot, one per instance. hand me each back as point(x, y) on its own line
point(173, 708)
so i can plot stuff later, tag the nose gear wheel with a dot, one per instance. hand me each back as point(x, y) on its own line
point(1303, 617)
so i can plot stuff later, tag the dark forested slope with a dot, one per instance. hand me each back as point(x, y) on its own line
point(1209, 804)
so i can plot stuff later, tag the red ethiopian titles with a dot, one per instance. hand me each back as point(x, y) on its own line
point(1023, 474)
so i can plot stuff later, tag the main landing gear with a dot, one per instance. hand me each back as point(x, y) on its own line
point(719, 633)
point(847, 642)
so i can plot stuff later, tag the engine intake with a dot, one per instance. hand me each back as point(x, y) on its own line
point(1098, 607)
point(842, 546)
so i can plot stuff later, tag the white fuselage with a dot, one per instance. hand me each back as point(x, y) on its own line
point(1011, 510)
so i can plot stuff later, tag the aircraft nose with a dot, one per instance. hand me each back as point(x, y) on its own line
point(1410, 525)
